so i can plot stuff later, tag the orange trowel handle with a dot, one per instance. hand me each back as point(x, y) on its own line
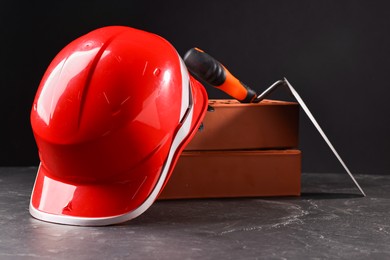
point(210, 70)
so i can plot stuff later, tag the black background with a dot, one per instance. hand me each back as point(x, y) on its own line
point(335, 53)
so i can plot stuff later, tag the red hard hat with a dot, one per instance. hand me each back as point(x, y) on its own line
point(111, 116)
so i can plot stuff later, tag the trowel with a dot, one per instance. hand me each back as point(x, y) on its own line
point(208, 69)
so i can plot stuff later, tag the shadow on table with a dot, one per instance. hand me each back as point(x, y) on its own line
point(329, 196)
point(204, 212)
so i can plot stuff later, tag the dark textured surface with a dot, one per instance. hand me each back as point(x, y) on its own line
point(330, 220)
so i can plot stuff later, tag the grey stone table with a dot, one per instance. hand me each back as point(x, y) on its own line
point(329, 221)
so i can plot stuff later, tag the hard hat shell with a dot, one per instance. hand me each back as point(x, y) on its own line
point(111, 116)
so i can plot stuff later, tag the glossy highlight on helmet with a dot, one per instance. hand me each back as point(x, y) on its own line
point(111, 116)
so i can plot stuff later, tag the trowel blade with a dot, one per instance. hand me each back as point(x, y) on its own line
point(319, 129)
